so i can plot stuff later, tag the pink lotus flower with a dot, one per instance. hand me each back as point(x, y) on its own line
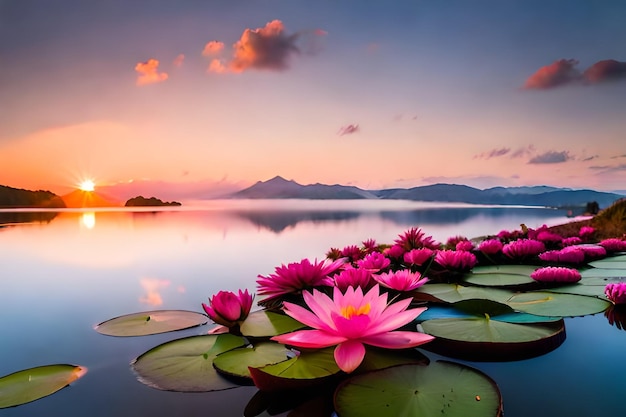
point(402, 280)
point(352, 252)
point(490, 246)
point(227, 308)
point(418, 256)
point(414, 238)
point(523, 248)
point(593, 252)
point(370, 246)
point(556, 274)
point(350, 321)
point(374, 262)
point(568, 255)
point(354, 277)
point(298, 276)
point(548, 237)
point(613, 245)
point(570, 241)
point(455, 260)
point(616, 292)
point(586, 232)
point(464, 245)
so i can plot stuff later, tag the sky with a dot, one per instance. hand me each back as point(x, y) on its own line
point(192, 98)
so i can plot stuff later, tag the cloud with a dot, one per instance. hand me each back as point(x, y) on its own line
point(558, 73)
point(149, 72)
point(608, 169)
point(348, 130)
point(524, 151)
point(563, 72)
point(606, 70)
point(178, 61)
point(618, 156)
point(213, 48)
point(494, 153)
point(551, 157)
point(589, 158)
point(268, 48)
point(217, 66)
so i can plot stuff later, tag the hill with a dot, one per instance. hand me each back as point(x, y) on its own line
point(20, 198)
point(141, 201)
point(278, 187)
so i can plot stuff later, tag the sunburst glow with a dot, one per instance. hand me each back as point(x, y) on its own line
point(87, 185)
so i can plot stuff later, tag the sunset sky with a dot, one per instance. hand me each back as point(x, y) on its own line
point(195, 97)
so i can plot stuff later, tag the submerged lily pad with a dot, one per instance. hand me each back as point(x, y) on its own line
point(236, 362)
point(151, 322)
point(483, 338)
point(543, 303)
point(32, 384)
point(442, 388)
point(186, 364)
point(306, 369)
point(266, 324)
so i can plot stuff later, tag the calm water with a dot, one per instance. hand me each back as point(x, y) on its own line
point(62, 273)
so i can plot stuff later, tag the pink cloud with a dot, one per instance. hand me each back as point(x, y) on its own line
point(178, 61)
point(348, 129)
point(217, 66)
point(149, 72)
point(213, 48)
point(494, 153)
point(606, 70)
point(551, 157)
point(558, 73)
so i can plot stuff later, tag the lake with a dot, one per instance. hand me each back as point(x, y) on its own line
point(64, 272)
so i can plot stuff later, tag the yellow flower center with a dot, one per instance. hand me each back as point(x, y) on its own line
point(351, 311)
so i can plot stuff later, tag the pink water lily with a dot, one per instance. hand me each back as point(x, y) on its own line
point(227, 308)
point(490, 246)
point(418, 256)
point(402, 280)
point(613, 244)
point(374, 262)
point(455, 260)
point(523, 248)
point(354, 277)
point(616, 292)
point(556, 274)
point(298, 276)
point(350, 321)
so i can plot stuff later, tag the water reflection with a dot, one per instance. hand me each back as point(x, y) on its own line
point(88, 220)
point(616, 315)
point(10, 217)
point(152, 288)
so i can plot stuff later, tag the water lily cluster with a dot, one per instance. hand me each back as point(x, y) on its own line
point(361, 318)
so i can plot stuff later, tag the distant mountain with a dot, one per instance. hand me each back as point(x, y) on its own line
point(88, 199)
point(278, 187)
point(20, 198)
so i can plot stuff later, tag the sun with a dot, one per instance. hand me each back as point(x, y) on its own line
point(87, 185)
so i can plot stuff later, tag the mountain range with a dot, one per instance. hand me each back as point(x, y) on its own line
point(280, 188)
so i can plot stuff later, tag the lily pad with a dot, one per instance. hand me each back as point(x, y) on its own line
point(151, 322)
point(486, 339)
point(499, 280)
point(32, 384)
point(186, 364)
point(236, 362)
point(378, 358)
point(543, 303)
point(450, 312)
point(266, 324)
point(306, 369)
point(611, 262)
point(603, 273)
point(452, 293)
point(581, 289)
point(442, 388)
point(524, 270)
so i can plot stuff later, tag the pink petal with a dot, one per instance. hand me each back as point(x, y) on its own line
point(397, 340)
point(391, 322)
point(349, 355)
point(303, 315)
point(321, 305)
point(354, 327)
point(309, 339)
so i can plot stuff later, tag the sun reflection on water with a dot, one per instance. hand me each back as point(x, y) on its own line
point(88, 220)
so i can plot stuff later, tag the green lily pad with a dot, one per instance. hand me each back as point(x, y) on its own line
point(378, 358)
point(151, 322)
point(610, 262)
point(486, 339)
point(603, 273)
point(524, 270)
point(581, 289)
point(499, 280)
point(600, 281)
point(186, 364)
point(306, 369)
point(236, 362)
point(32, 384)
point(450, 312)
point(266, 324)
point(442, 388)
point(452, 293)
point(543, 303)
